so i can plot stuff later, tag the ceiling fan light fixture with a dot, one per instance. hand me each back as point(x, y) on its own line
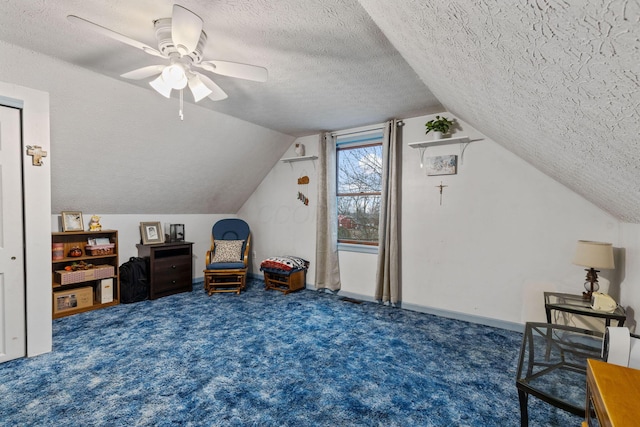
point(174, 76)
point(198, 89)
point(161, 86)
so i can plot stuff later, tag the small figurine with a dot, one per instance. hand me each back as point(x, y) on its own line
point(94, 224)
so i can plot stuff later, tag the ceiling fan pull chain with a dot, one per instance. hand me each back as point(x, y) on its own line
point(181, 106)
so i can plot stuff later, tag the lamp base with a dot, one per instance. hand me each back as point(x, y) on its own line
point(591, 285)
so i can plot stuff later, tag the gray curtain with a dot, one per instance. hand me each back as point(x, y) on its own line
point(327, 268)
point(388, 272)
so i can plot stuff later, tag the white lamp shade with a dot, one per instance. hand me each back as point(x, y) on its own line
point(597, 255)
point(198, 89)
point(174, 76)
point(161, 87)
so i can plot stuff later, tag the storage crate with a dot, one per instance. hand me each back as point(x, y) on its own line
point(94, 250)
point(72, 299)
point(99, 272)
point(284, 281)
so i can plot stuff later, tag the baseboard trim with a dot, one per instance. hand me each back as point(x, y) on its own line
point(481, 320)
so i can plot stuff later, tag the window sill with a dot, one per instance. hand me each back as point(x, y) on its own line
point(350, 247)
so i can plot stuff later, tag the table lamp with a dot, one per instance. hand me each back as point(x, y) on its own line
point(593, 255)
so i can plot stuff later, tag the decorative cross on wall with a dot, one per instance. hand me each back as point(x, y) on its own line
point(37, 154)
point(441, 187)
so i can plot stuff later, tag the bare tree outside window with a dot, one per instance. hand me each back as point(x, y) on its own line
point(359, 187)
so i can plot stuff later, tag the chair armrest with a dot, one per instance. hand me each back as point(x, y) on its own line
point(209, 257)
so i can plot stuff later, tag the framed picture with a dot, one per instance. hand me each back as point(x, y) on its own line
point(442, 165)
point(151, 233)
point(176, 232)
point(72, 221)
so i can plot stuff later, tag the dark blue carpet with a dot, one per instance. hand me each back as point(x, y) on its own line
point(268, 359)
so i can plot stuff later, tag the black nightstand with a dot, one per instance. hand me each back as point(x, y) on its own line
point(170, 268)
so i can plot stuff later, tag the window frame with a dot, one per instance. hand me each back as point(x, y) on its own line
point(364, 142)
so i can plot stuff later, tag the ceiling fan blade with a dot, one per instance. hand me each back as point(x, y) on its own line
point(144, 72)
point(112, 34)
point(236, 69)
point(186, 27)
point(217, 94)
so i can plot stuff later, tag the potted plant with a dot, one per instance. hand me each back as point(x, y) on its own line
point(439, 126)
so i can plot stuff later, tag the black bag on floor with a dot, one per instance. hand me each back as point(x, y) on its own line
point(134, 285)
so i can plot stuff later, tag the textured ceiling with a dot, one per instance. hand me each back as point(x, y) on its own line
point(330, 67)
point(556, 82)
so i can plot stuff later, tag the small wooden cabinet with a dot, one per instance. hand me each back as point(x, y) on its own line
point(84, 290)
point(170, 268)
point(612, 393)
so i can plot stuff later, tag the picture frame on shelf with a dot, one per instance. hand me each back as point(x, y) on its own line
point(151, 233)
point(72, 221)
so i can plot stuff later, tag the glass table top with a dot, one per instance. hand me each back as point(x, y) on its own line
point(553, 363)
point(577, 304)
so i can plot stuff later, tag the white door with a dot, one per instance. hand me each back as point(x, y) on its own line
point(12, 292)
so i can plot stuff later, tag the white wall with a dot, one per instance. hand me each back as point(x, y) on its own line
point(628, 272)
point(504, 234)
point(280, 223)
point(197, 230)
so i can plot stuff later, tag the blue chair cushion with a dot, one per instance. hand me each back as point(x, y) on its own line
point(225, 265)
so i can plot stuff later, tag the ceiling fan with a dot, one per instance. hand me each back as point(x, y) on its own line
point(181, 40)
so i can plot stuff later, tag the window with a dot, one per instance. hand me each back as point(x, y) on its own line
point(359, 169)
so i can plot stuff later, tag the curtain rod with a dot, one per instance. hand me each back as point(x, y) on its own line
point(358, 130)
point(362, 129)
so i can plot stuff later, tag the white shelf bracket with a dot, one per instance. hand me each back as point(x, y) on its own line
point(423, 145)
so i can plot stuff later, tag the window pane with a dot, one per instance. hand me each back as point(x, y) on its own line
point(360, 169)
point(358, 218)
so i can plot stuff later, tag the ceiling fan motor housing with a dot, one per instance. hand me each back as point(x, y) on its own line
point(168, 48)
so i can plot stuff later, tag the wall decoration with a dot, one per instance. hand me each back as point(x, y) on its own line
point(441, 187)
point(442, 165)
point(37, 153)
point(72, 221)
point(151, 233)
point(304, 181)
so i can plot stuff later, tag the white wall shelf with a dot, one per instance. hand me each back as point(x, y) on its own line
point(423, 145)
point(298, 159)
point(443, 141)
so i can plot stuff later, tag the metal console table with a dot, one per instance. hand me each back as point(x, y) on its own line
point(553, 366)
point(575, 304)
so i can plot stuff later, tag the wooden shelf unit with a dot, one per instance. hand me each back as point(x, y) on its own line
point(70, 239)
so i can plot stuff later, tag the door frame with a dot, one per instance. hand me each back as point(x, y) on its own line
point(36, 182)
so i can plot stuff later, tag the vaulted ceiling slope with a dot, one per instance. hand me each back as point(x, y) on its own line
point(116, 150)
point(557, 83)
point(330, 67)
